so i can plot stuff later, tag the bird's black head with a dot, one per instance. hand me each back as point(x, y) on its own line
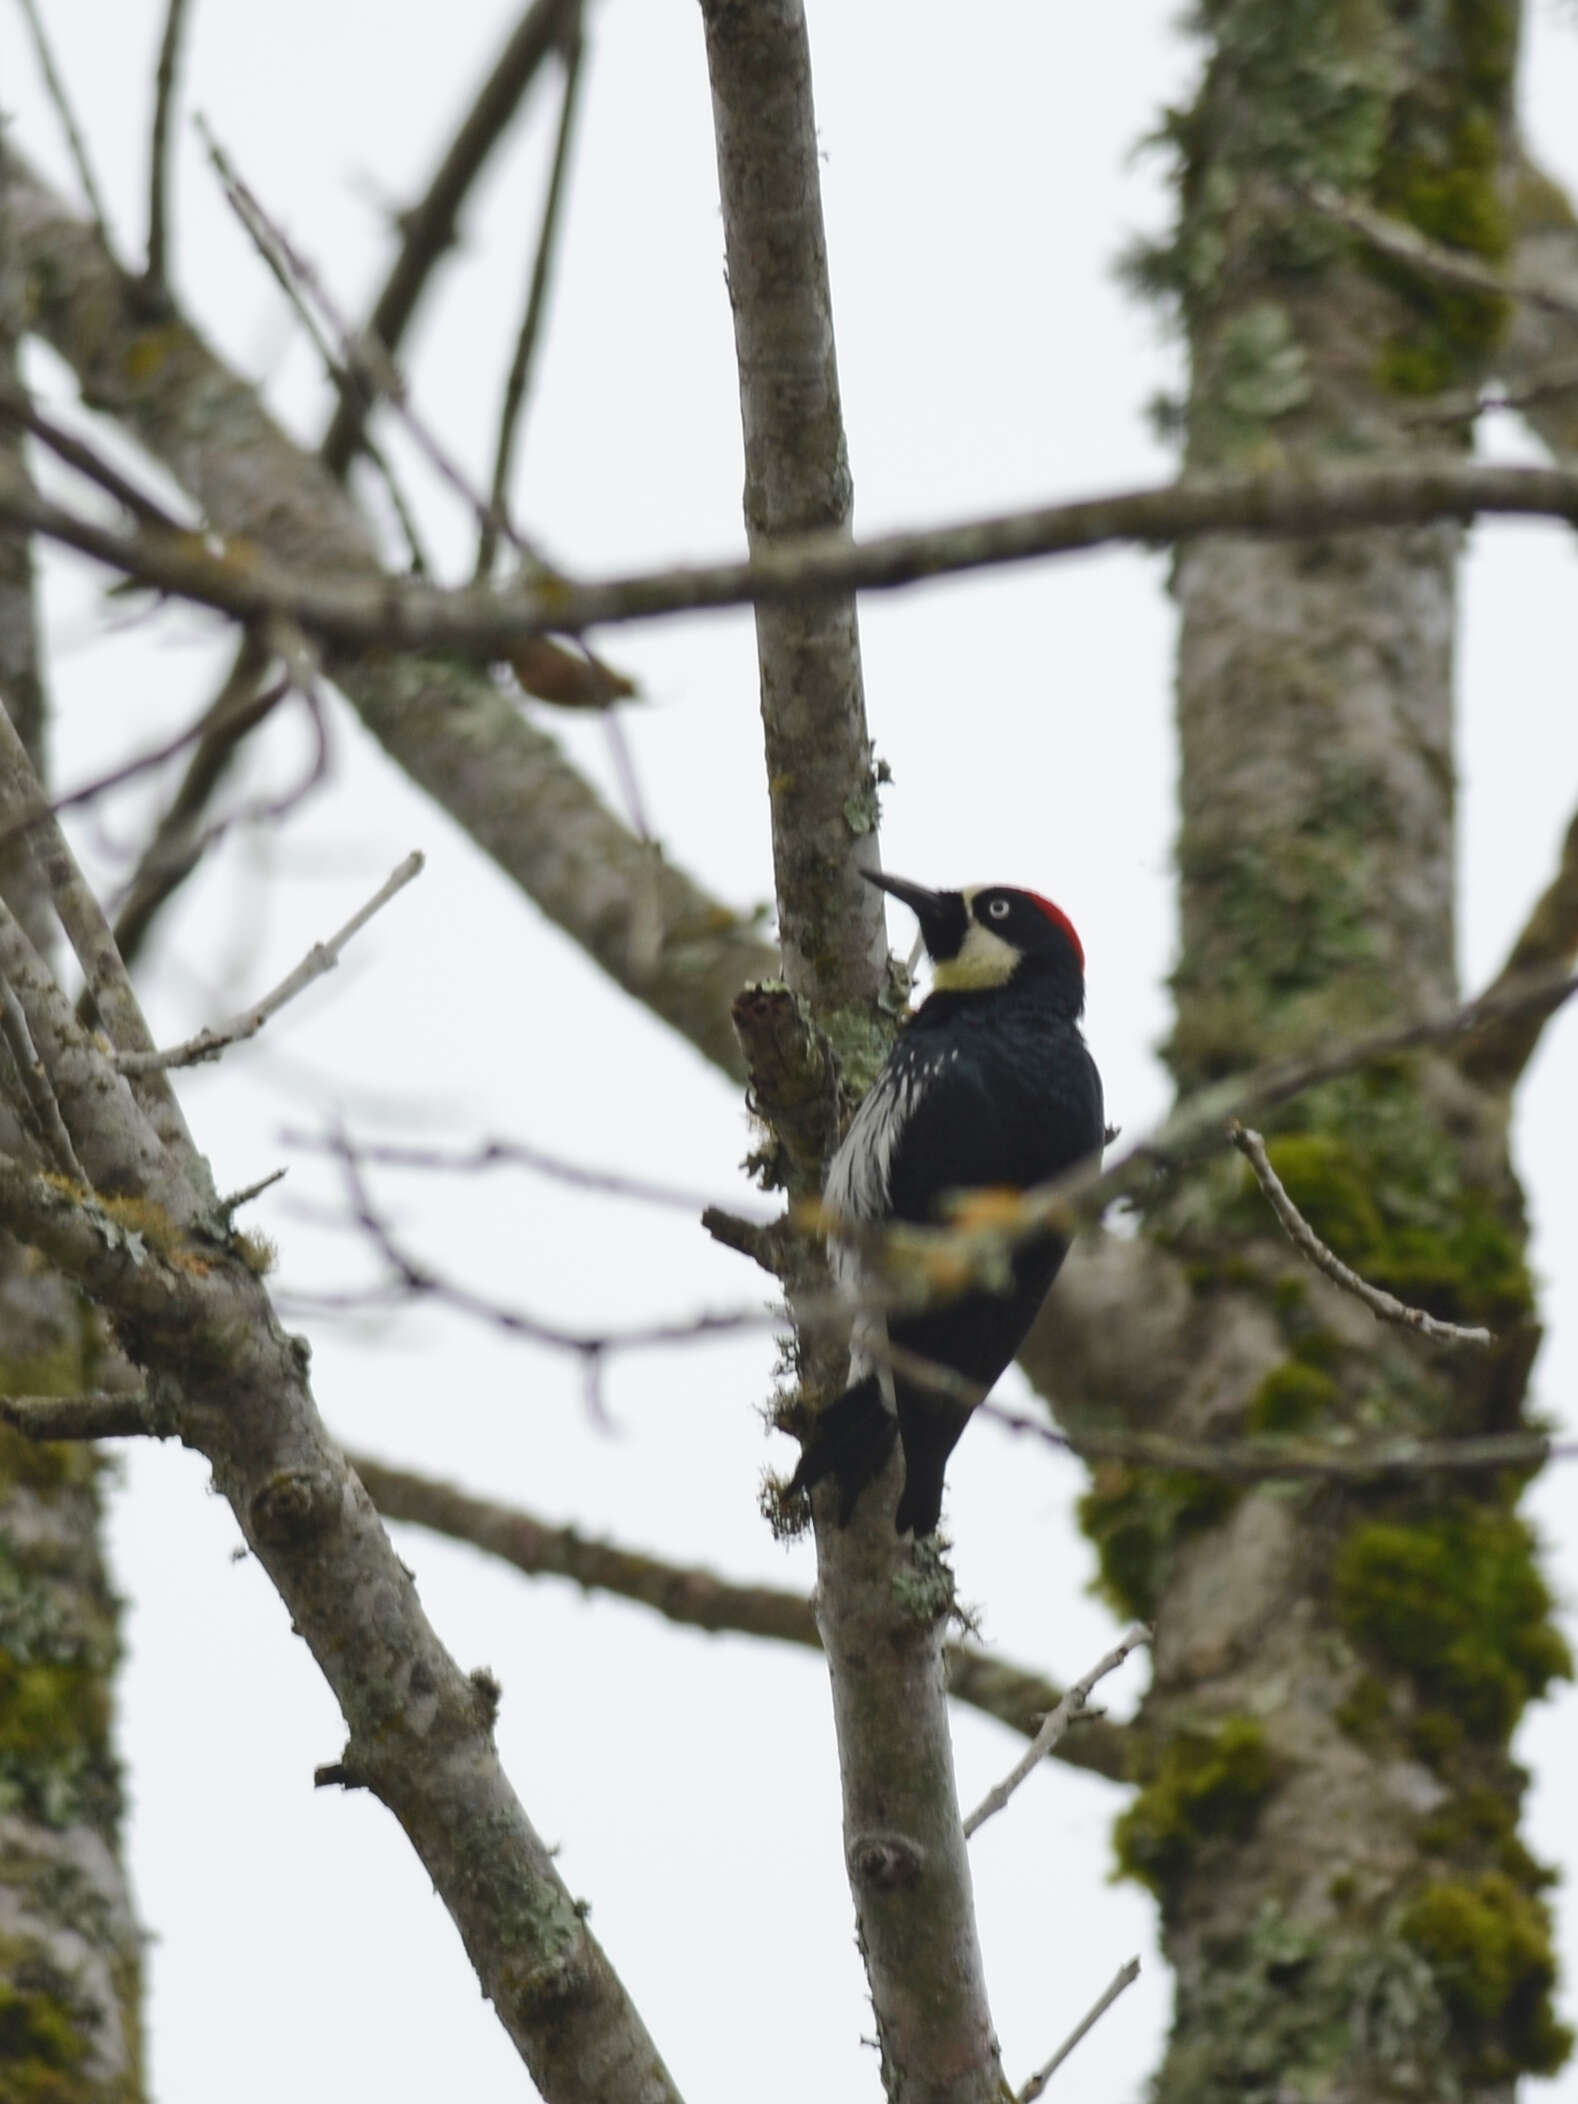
point(989, 934)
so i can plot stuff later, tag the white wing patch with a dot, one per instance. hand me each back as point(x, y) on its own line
point(859, 1188)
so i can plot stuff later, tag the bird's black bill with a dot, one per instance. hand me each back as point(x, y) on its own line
point(942, 914)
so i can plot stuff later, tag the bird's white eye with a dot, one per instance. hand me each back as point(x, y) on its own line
point(998, 908)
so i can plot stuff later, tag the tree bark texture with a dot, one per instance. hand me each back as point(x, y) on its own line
point(882, 1604)
point(1327, 1808)
point(70, 1949)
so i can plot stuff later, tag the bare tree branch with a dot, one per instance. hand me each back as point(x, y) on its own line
point(56, 88)
point(881, 1604)
point(697, 1599)
point(321, 958)
point(88, 461)
point(360, 612)
point(499, 776)
point(429, 228)
point(1454, 266)
point(1385, 1306)
point(1054, 1728)
point(157, 269)
point(166, 1271)
point(363, 359)
point(1125, 1977)
point(22, 802)
point(530, 331)
point(1283, 1458)
point(50, 1417)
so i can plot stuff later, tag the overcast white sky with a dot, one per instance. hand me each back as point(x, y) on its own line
point(978, 184)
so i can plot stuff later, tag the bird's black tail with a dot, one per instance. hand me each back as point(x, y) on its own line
point(851, 1441)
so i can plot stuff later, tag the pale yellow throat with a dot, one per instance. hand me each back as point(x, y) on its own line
point(984, 960)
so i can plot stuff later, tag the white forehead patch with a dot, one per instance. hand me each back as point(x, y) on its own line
point(984, 959)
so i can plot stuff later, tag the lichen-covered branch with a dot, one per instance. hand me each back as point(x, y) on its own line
point(152, 1251)
point(353, 611)
point(71, 1953)
point(697, 1599)
point(1314, 1649)
point(881, 1604)
point(498, 775)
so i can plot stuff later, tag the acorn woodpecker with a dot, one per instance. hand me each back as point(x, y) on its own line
point(988, 1086)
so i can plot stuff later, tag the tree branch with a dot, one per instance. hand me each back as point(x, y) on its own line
point(1124, 1978)
point(1054, 1728)
point(1384, 1306)
point(429, 228)
point(357, 613)
point(321, 958)
point(530, 332)
point(499, 776)
point(881, 1603)
point(697, 1599)
point(157, 269)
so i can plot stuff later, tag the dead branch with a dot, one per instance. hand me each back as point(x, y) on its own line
point(428, 229)
point(1385, 1306)
point(1053, 1729)
point(1125, 1978)
point(56, 90)
point(530, 331)
point(359, 613)
point(499, 775)
point(697, 1599)
point(1453, 266)
point(157, 269)
point(321, 958)
point(363, 359)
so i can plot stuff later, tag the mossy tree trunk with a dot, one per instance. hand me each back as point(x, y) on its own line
point(70, 1965)
point(1327, 1806)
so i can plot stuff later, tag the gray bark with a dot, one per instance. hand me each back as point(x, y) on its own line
point(70, 1950)
point(1327, 1808)
point(881, 1610)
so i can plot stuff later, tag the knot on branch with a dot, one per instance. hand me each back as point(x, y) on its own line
point(487, 1695)
point(794, 1085)
point(886, 1862)
point(295, 1504)
point(344, 1774)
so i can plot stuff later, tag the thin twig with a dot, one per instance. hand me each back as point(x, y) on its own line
point(536, 299)
point(428, 229)
point(504, 1154)
point(58, 96)
point(177, 844)
point(233, 1201)
point(364, 358)
point(1125, 1977)
point(321, 958)
point(77, 453)
point(1273, 1459)
point(1381, 1304)
point(156, 272)
point(1052, 1729)
point(1538, 384)
point(1394, 237)
point(37, 1092)
point(82, 917)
